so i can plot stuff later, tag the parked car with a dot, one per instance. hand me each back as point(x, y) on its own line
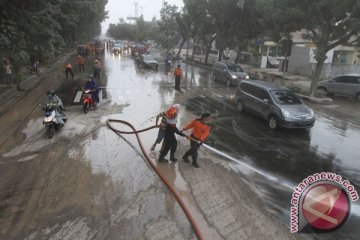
point(276, 104)
point(348, 85)
point(272, 62)
point(230, 73)
point(148, 60)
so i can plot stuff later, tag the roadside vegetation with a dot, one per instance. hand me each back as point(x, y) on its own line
point(41, 30)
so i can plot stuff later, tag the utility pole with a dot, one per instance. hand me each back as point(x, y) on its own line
point(141, 10)
point(240, 4)
point(136, 9)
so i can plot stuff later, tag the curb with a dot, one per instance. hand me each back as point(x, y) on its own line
point(314, 99)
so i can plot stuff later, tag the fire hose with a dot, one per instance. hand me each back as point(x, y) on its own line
point(171, 188)
point(168, 185)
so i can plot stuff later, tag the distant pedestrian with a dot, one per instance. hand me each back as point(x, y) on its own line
point(97, 69)
point(8, 72)
point(178, 75)
point(68, 69)
point(200, 131)
point(80, 62)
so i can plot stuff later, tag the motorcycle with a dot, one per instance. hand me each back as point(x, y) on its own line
point(33, 70)
point(88, 101)
point(167, 63)
point(51, 122)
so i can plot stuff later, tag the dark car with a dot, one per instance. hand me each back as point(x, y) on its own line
point(230, 73)
point(138, 49)
point(147, 60)
point(276, 104)
point(347, 85)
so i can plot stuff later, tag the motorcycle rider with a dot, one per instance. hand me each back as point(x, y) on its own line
point(54, 102)
point(92, 85)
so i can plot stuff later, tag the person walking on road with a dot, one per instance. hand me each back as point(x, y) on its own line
point(162, 125)
point(80, 62)
point(170, 142)
point(68, 69)
point(178, 75)
point(200, 131)
point(97, 68)
point(8, 72)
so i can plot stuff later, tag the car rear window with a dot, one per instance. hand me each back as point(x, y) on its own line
point(284, 97)
point(148, 57)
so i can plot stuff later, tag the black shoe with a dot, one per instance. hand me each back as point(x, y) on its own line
point(173, 159)
point(152, 147)
point(185, 158)
point(163, 160)
point(195, 164)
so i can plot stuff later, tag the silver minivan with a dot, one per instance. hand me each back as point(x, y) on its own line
point(348, 85)
point(230, 73)
point(276, 104)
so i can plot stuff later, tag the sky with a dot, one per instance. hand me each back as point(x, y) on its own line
point(126, 8)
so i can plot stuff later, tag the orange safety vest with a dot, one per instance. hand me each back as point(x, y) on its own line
point(199, 130)
point(80, 60)
point(177, 72)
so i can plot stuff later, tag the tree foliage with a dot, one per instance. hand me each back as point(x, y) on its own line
point(140, 31)
point(168, 35)
point(40, 29)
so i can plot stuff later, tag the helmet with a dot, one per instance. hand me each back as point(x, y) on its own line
point(177, 106)
point(171, 113)
point(51, 93)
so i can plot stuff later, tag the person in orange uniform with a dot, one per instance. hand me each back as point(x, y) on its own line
point(68, 69)
point(162, 125)
point(200, 131)
point(170, 142)
point(178, 75)
point(80, 62)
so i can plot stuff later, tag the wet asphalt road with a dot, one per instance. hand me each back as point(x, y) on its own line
point(88, 183)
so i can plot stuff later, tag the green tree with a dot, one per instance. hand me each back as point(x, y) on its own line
point(40, 29)
point(202, 23)
point(168, 36)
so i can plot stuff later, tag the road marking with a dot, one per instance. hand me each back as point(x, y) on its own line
point(78, 97)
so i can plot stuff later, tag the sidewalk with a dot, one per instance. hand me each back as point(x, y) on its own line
point(8, 96)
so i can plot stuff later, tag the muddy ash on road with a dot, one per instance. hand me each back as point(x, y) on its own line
point(89, 183)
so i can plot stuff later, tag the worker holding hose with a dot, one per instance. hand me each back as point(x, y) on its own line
point(170, 142)
point(162, 125)
point(200, 131)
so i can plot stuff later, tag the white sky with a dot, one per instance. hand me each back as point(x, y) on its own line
point(126, 8)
